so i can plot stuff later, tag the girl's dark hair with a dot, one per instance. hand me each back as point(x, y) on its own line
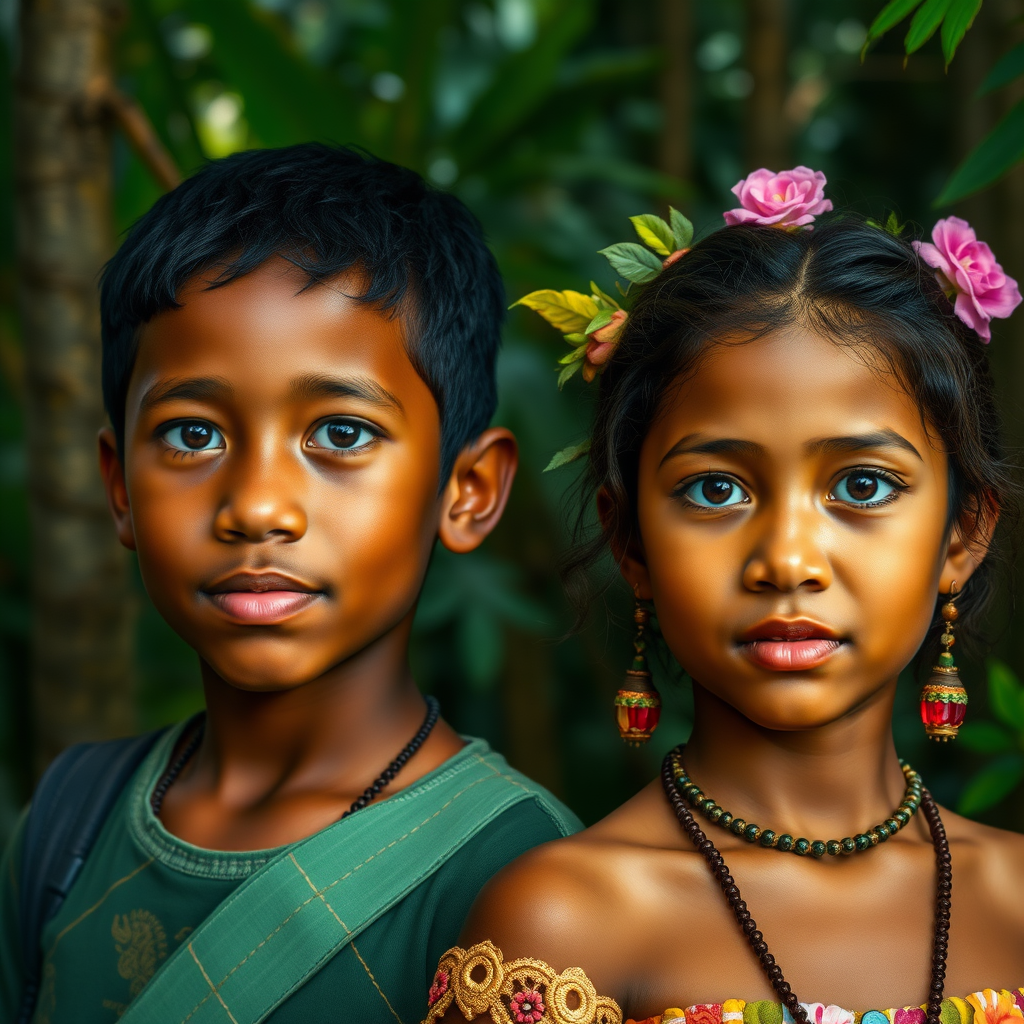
point(847, 281)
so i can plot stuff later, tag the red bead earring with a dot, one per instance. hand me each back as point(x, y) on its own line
point(943, 698)
point(638, 703)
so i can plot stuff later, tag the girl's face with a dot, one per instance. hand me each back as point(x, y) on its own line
point(792, 512)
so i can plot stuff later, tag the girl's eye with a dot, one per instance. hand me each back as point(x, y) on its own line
point(863, 488)
point(715, 492)
point(341, 435)
point(196, 436)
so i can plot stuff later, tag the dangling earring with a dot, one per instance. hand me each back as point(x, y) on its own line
point(638, 703)
point(943, 698)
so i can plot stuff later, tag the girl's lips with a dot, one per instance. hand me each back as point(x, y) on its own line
point(790, 655)
point(263, 607)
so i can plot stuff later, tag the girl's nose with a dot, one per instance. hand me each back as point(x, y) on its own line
point(261, 503)
point(789, 553)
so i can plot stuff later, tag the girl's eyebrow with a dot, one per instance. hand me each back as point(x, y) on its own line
point(693, 444)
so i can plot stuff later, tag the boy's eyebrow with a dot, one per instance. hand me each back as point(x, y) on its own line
point(857, 442)
point(198, 389)
point(319, 385)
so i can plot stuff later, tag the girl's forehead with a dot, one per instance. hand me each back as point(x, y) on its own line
point(786, 389)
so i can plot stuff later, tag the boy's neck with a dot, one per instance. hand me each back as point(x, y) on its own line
point(274, 767)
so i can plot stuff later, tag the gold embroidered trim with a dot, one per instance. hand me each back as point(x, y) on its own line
point(523, 991)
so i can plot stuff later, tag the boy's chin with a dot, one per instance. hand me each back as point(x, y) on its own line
point(265, 675)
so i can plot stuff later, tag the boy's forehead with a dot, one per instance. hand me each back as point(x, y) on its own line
point(266, 330)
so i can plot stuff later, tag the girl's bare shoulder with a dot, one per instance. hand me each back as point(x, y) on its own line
point(988, 860)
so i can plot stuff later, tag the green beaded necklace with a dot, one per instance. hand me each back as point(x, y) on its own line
point(801, 847)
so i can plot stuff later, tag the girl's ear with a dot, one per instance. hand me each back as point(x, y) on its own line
point(477, 490)
point(117, 490)
point(629, 555)
point(968, 545)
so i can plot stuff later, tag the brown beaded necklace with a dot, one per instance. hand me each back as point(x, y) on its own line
point(787, 996)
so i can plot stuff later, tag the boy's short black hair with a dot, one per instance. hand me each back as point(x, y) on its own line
point(326, 209)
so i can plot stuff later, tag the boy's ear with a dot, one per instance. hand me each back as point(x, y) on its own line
point(117, 490)
point(478, 489)
point(969, 542)
point(629, 556)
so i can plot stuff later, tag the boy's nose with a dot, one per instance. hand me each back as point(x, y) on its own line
point(788, 553)
point(259, 506)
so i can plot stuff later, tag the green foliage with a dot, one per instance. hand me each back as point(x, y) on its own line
point(654, 232)
point(1004, 71)
point(954, 16)
point(567, 455)
point(1003, 741)
point(1000, 150)
point(926, 20)
point(682, 228)
point(635, 263)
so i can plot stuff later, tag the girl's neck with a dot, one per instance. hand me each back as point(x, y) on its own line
point(824, 783)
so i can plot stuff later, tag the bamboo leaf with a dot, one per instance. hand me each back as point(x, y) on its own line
point(1006, 69)
point(924, 23)
point(653, 231)
point(569, 372)
point(567, 455)
point(994, 782)
point(635, 263)
point(889, 16)
point(985, 738)
point(568, 310)
point(990, 159)
point(958, 20)
point(682, 228)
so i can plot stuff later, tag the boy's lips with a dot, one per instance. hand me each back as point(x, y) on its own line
point(261, 598)
point(795, 645)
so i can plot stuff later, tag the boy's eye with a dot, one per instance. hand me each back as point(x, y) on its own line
point(341, 435)
point(715, 492)
point(194, 437)
point(863, 488)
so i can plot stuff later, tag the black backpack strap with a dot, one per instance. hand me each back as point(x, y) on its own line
point(70, 805)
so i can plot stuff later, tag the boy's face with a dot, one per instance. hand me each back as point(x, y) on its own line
point(281, 462)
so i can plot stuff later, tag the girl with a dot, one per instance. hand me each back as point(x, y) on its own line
point(797, 469)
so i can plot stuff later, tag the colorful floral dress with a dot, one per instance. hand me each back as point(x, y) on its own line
point(483, 985)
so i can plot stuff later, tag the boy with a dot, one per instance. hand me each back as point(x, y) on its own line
point(298, 365)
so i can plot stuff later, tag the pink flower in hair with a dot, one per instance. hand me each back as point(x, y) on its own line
point(789, 199)
point(967, 268)
point(601, 346)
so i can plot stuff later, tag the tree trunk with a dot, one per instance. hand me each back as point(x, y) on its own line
point(767, 129)
point(675, 155)
point(81, 586)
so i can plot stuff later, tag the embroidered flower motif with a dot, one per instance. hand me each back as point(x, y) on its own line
point(438, 988)
point(704, 1013)
point(789, 199)
point(601, 345)
point(991, 1007)
point(819, 1013)
point(526, 1007)
point(909, 1015)
point(967, 268)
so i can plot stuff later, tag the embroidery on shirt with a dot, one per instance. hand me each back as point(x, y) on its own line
point(141, 943)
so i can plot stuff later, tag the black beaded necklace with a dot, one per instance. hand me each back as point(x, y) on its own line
point(787, 996)
point(371, 791)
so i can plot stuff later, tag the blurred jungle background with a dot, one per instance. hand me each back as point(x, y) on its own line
point(554, 120)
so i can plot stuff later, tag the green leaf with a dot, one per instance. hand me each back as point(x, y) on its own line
point(994, 782)
point(891, 14)
point(567, 455)
point(653, 231)
point(989, 160)
point(1006, 69)
point(1005, 694)
point(604, 297)
point(635, 263)
point(568, 311)
point(924, 24)
point(893, 225)
point(682, 228)
point(570, 371)
point(958, 20)
point(576, 353)
point(984, 737)
point(603, 319)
